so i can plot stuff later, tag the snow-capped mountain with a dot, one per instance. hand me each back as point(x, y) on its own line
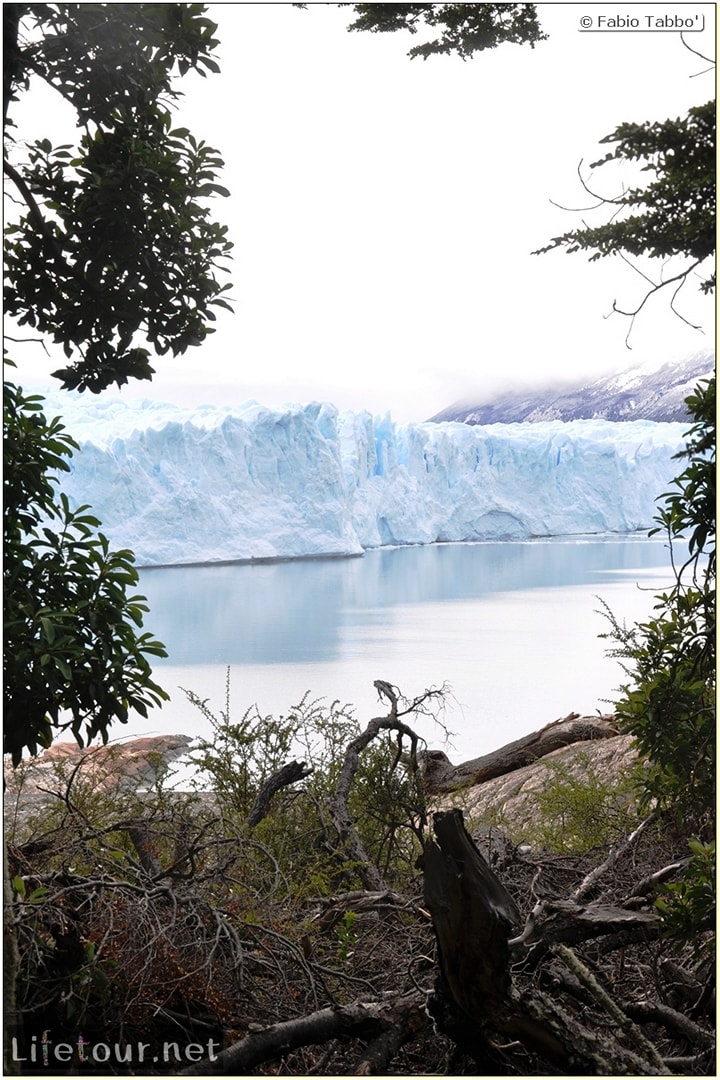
point(639, 393)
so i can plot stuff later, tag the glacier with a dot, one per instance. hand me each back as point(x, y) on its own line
point(209, 484)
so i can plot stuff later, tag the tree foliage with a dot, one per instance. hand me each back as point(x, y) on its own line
point(674, 214)
point(114, 247)
point(110, 252)
point(73, 655)
point(668, 704)
point(465, 29)
point(693, 505)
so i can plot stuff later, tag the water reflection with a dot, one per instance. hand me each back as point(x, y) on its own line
point(302, 612)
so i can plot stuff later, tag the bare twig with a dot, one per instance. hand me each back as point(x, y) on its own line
point(695, 52)
point(616, 853)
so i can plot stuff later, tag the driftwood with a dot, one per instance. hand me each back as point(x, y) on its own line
point(441, 776)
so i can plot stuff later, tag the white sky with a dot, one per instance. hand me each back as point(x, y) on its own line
point(384, 210)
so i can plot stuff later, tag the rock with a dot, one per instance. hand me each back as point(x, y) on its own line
point(116, 767)
point(511, 800)
point(439, 775)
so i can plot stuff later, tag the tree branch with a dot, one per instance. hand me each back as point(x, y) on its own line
point(616, 852)
point(695, 52)
point(359, 1019)
point(36, 214)
point(603, 998)
point(681, 277)
point(288, 774)
point(11, 53)
point(654, 1012)
point(338, 802)
point(37, 218)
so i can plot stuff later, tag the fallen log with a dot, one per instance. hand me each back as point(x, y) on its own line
point(384, 1024)
point(565, 921)
point(441, 776)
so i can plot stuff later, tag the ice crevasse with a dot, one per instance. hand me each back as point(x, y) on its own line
point(211, 484)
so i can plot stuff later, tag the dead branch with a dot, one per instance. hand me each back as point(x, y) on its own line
point(140, 836)
point(648, 886)
point(654, 1012)
point(702, 56)
point(563, 920)
point(360, 901)
point(680, 277)
point(682, 986)
point(442, 777)
point(380, 1052)
point(621, 1018)
point(337, 803)
point(288, 774)
point(364, 1020)
point(590, 880)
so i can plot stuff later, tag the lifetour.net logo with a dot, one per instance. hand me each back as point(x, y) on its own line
point(43, 1050)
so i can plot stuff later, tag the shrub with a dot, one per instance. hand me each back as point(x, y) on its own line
point(668, 703)
point(579, 810)
point(298, 835)
point(688, 906)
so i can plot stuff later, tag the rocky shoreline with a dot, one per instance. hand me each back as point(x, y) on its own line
point(508, 800)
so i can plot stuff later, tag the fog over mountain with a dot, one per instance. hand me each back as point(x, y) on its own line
point(638, 393)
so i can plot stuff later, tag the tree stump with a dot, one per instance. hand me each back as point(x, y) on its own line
point(473, 918)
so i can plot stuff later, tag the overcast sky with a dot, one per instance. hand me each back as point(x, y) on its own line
point(384, 210)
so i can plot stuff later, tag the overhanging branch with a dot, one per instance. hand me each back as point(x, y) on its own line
point(39, 221)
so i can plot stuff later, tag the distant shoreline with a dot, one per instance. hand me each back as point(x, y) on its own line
point(264, 560)
point(256, 560)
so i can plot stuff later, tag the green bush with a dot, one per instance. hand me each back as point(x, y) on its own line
point(668, 702)
point(688, 906)
point(578, 810)
point(300, 844)
point(573, 808)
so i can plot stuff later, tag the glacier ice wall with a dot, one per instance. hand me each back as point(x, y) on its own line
point(208, 484)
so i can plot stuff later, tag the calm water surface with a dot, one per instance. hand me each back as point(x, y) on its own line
point(511, 627)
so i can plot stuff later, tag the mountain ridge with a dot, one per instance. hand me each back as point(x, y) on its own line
point(637, 393)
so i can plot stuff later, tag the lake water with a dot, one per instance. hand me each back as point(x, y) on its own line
point(511, 627)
